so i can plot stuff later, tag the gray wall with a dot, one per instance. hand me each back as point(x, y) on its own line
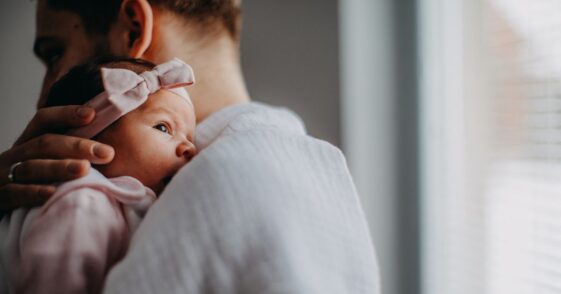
point(289, 55)
point(20, 77)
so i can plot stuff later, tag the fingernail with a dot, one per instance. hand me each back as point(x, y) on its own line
point(84, 112)
point(102, 151)
point(74, 168)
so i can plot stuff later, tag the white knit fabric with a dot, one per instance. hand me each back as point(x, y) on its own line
point(263, 208)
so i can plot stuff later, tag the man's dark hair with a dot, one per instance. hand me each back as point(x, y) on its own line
point(83, 82)
point(98, 15)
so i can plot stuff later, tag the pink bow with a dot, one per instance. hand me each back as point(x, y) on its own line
point(126, 90)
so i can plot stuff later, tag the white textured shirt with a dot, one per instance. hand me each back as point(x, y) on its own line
point(263, 208)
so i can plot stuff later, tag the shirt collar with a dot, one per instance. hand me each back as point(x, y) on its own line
point(211, 127)
point(262, 116)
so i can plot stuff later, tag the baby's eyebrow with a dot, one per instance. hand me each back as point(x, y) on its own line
point(176, 119)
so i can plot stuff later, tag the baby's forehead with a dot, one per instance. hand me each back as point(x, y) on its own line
point(168, 102)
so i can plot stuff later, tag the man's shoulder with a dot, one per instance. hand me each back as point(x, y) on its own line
point(256, 127)
point(266, 168)
point(260, 116)
point(270, 148)
point(270, 175)
point(265, 152)
point(264, 196)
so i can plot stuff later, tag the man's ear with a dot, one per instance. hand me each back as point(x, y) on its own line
point(136, 19)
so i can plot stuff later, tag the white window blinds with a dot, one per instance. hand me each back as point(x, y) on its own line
point(492, 146)
point(523, 233)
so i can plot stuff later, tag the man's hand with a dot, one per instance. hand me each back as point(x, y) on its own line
point(47, 158)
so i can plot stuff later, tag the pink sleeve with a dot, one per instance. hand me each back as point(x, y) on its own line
point(71, 244)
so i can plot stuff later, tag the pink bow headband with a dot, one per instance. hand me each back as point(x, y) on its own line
point(126, 90)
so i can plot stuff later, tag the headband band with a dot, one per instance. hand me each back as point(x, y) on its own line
point(126, 90)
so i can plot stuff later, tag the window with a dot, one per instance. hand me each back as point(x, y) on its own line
point(491, 131)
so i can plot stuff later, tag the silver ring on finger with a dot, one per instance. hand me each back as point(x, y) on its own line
point(11, 175)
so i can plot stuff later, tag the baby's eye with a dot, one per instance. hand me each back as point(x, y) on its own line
point(162, 128)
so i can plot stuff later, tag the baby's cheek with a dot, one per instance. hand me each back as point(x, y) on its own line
point(114, 169)
point(150, 164)
point(125, 163)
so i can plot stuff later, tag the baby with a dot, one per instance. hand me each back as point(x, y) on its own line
point(69, 244)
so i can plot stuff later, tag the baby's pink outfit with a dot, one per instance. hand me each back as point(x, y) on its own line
point(69, 244)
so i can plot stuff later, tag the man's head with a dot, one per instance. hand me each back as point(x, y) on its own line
point(70, 32)
point(99, 15)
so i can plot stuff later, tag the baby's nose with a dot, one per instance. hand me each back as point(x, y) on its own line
point(186, 149)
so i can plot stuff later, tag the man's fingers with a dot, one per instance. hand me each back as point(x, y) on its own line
point(51, 146)
point(48, 171)
point(53, 119)
point(16, 195)
point(48, 158)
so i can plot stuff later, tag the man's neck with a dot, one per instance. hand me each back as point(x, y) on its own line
point(219, 79)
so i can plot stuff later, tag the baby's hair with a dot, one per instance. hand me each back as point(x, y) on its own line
point(83, 82)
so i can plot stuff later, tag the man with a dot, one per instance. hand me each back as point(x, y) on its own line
point(263, 208)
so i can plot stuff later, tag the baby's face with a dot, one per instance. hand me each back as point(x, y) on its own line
point(152, 142)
